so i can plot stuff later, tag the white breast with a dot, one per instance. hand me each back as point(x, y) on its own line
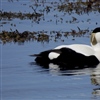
point(97, 54)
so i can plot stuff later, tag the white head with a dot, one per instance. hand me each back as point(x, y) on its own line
point(95, 39)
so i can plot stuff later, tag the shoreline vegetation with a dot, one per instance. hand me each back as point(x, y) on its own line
point(79, 7)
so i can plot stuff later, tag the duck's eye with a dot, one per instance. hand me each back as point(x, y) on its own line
point(93, 39)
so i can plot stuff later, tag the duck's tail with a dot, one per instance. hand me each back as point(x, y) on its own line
point(34, 55)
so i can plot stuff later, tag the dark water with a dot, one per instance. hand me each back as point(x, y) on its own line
point(22, 80)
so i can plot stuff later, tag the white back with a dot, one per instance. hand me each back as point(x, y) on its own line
point(80, 48)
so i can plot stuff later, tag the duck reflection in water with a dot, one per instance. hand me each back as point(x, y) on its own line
point(63, 70)
point(95, 80)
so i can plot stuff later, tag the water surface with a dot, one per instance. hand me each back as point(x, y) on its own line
point(23, 80)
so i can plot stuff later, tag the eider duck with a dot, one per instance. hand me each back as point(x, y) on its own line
point(74, 54)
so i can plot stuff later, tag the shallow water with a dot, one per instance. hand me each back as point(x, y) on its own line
point(23, 80)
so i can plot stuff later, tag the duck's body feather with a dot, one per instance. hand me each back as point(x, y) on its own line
point(65, 56)
point(80, 48)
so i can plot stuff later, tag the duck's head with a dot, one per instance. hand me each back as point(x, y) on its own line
point(95, 38)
